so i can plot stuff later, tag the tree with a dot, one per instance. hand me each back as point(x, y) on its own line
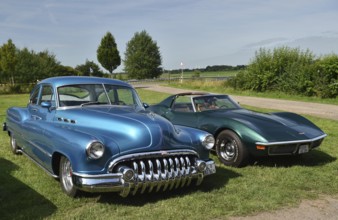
point(142, 57)
point(107, 53)
point(8, 59)
point(89, 69)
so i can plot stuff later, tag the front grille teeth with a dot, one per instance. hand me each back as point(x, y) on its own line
point(162, 174)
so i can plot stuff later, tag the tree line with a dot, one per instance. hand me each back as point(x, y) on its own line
point(284, 69)
point(142, 60)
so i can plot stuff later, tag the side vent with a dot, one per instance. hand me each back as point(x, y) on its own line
point(72, 121)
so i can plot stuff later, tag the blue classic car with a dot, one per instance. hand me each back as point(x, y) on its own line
point(96, 136)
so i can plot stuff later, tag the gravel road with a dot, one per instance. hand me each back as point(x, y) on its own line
point(306, 108)
point(324, 208)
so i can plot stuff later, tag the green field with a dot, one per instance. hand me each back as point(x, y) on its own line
point(26, 192)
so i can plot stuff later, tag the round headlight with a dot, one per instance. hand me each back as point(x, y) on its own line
point(208, 141)
point(95, 150)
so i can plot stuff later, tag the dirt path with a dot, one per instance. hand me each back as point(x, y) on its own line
point(324, 208)
point(307, 108)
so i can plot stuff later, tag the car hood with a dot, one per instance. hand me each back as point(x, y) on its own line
point(131, 131)
point(274, 127)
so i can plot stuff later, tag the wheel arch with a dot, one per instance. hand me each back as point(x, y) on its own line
point(56, 162)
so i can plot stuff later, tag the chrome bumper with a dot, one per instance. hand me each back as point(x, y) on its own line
point(143, 181)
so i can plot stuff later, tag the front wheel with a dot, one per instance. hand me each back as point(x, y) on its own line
point(66, 180)
point(230, 149)
point(14, 145)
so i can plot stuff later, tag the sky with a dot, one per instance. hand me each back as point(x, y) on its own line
point(195, 33)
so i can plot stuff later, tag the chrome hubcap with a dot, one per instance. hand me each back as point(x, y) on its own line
point(67, 176)
point(228, 149)
point(13, 143)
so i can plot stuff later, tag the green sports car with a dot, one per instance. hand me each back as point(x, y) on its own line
point(240, 133)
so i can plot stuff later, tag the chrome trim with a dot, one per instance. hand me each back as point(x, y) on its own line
point(173, 170)
point(154, 154)
point(40, 149)
point(89, 146)
point(291, 142)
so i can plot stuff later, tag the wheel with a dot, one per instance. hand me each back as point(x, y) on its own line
point(66, 181)
point(230, 149)
point(14, 146)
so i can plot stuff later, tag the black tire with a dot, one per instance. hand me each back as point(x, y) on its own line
point(66, 181)
point(14, 145)
point(230, 149)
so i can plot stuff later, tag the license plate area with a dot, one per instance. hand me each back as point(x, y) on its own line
point(304, 148)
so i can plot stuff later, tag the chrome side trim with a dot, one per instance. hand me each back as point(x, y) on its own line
point(291, 142)
point(40, 149)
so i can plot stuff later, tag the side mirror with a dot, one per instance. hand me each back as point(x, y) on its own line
point(145, 105)
point(46, 104)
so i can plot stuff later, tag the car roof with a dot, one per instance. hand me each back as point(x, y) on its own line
point(70, 80)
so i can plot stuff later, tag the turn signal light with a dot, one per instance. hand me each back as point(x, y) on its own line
point(260, 147)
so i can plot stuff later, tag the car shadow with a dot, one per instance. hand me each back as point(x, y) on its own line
point(17, 200)
point(210, 183)
point(313, 158)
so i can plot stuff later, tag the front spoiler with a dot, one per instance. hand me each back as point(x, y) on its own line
point(116, 183)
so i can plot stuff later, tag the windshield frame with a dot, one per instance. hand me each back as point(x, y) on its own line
point(94, 92)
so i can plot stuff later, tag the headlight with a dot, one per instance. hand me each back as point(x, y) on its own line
point(208, 141)
point(95, 150)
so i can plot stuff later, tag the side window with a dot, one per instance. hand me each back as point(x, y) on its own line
point(125, 96)
point(182, 104)
point(47, 95)
point(35, 95)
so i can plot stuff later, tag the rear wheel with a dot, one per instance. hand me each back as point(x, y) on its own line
point(230, 149)
point(14, 145)
point(66, 180)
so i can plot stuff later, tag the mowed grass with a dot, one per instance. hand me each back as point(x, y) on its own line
point(27, 192)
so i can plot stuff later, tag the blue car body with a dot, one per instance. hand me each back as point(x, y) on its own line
point(95, 135)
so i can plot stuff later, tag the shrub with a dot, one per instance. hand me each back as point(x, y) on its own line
point(290, 70)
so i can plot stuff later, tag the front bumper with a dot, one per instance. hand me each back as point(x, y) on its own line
point(153, 179)
point(290, 147)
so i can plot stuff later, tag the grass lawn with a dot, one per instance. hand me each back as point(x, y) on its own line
point(27, 192)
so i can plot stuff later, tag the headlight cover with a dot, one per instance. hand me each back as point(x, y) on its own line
point(95, 150)
point(208, 141)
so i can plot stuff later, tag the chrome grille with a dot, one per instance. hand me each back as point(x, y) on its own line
point(166, 173)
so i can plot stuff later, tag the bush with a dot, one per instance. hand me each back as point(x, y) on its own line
point(326, 77)
point(291, 71)
point(16, 88)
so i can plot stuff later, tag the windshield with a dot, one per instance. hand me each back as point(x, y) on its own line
point(97, 94)
point(205, 103)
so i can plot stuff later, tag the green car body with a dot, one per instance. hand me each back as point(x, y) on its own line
point(240, 133)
